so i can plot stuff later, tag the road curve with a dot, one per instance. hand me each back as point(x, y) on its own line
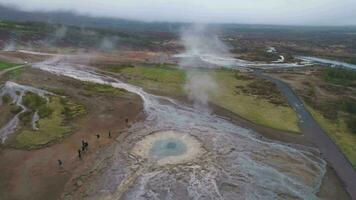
point(313, 132)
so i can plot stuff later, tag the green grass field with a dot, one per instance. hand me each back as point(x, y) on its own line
point(157, 78)
point(170, 80)
point(257, 110)
point(5, 65)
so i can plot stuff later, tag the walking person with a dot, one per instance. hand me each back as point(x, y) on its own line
point(109, 134)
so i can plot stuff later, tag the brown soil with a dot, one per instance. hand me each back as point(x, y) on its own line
point(36, 174)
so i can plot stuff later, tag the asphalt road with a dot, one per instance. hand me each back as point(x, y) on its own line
point(316, 135)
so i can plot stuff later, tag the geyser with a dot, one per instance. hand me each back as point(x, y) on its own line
point(168, 147)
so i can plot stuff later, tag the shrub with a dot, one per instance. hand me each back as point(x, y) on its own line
point(44, 111)
point(340, 76)
point(15, 109)
point(349, 106)
point(33, 101)
point(351, 123)
point(6, 99)
point(26, 117)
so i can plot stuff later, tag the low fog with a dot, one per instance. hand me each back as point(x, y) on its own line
point(285, 12)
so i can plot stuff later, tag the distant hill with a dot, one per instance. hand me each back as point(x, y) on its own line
point(70, 18)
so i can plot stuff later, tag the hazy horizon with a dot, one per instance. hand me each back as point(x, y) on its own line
point(271, 12)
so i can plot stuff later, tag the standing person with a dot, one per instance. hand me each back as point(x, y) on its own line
point(83, 145)
point(109, 134)
point(60, 163)
point(79, 154)
point(86, 145)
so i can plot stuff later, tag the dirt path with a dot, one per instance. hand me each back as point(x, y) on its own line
point(315, 134)
point(11, 69)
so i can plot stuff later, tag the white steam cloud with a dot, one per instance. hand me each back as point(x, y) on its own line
point(203, 48)
point(60, 32)
point(108, 43)
point(200, 43)
point(10, 46)
point(199, 87)
point(199, 40)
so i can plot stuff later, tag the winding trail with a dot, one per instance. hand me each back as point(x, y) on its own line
point(313, 132)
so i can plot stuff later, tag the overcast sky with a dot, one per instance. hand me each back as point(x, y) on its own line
point(295, 12)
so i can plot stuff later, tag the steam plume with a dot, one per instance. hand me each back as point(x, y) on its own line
point(10, 46)
point(200, 44)
point(108, 43)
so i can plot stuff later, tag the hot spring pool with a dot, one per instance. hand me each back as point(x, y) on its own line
point(168, 147)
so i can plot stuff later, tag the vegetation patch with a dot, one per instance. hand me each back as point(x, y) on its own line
point(158, 78)
point(6, 99)
point(7, 110)
point(5, 65)
point(263, 89)
point(331, 109)
point(53, 123)
point(71, 109)
point(14, 109)
point(104, 89)
point(253, 106)
point(13, 74)
point(340, 76)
